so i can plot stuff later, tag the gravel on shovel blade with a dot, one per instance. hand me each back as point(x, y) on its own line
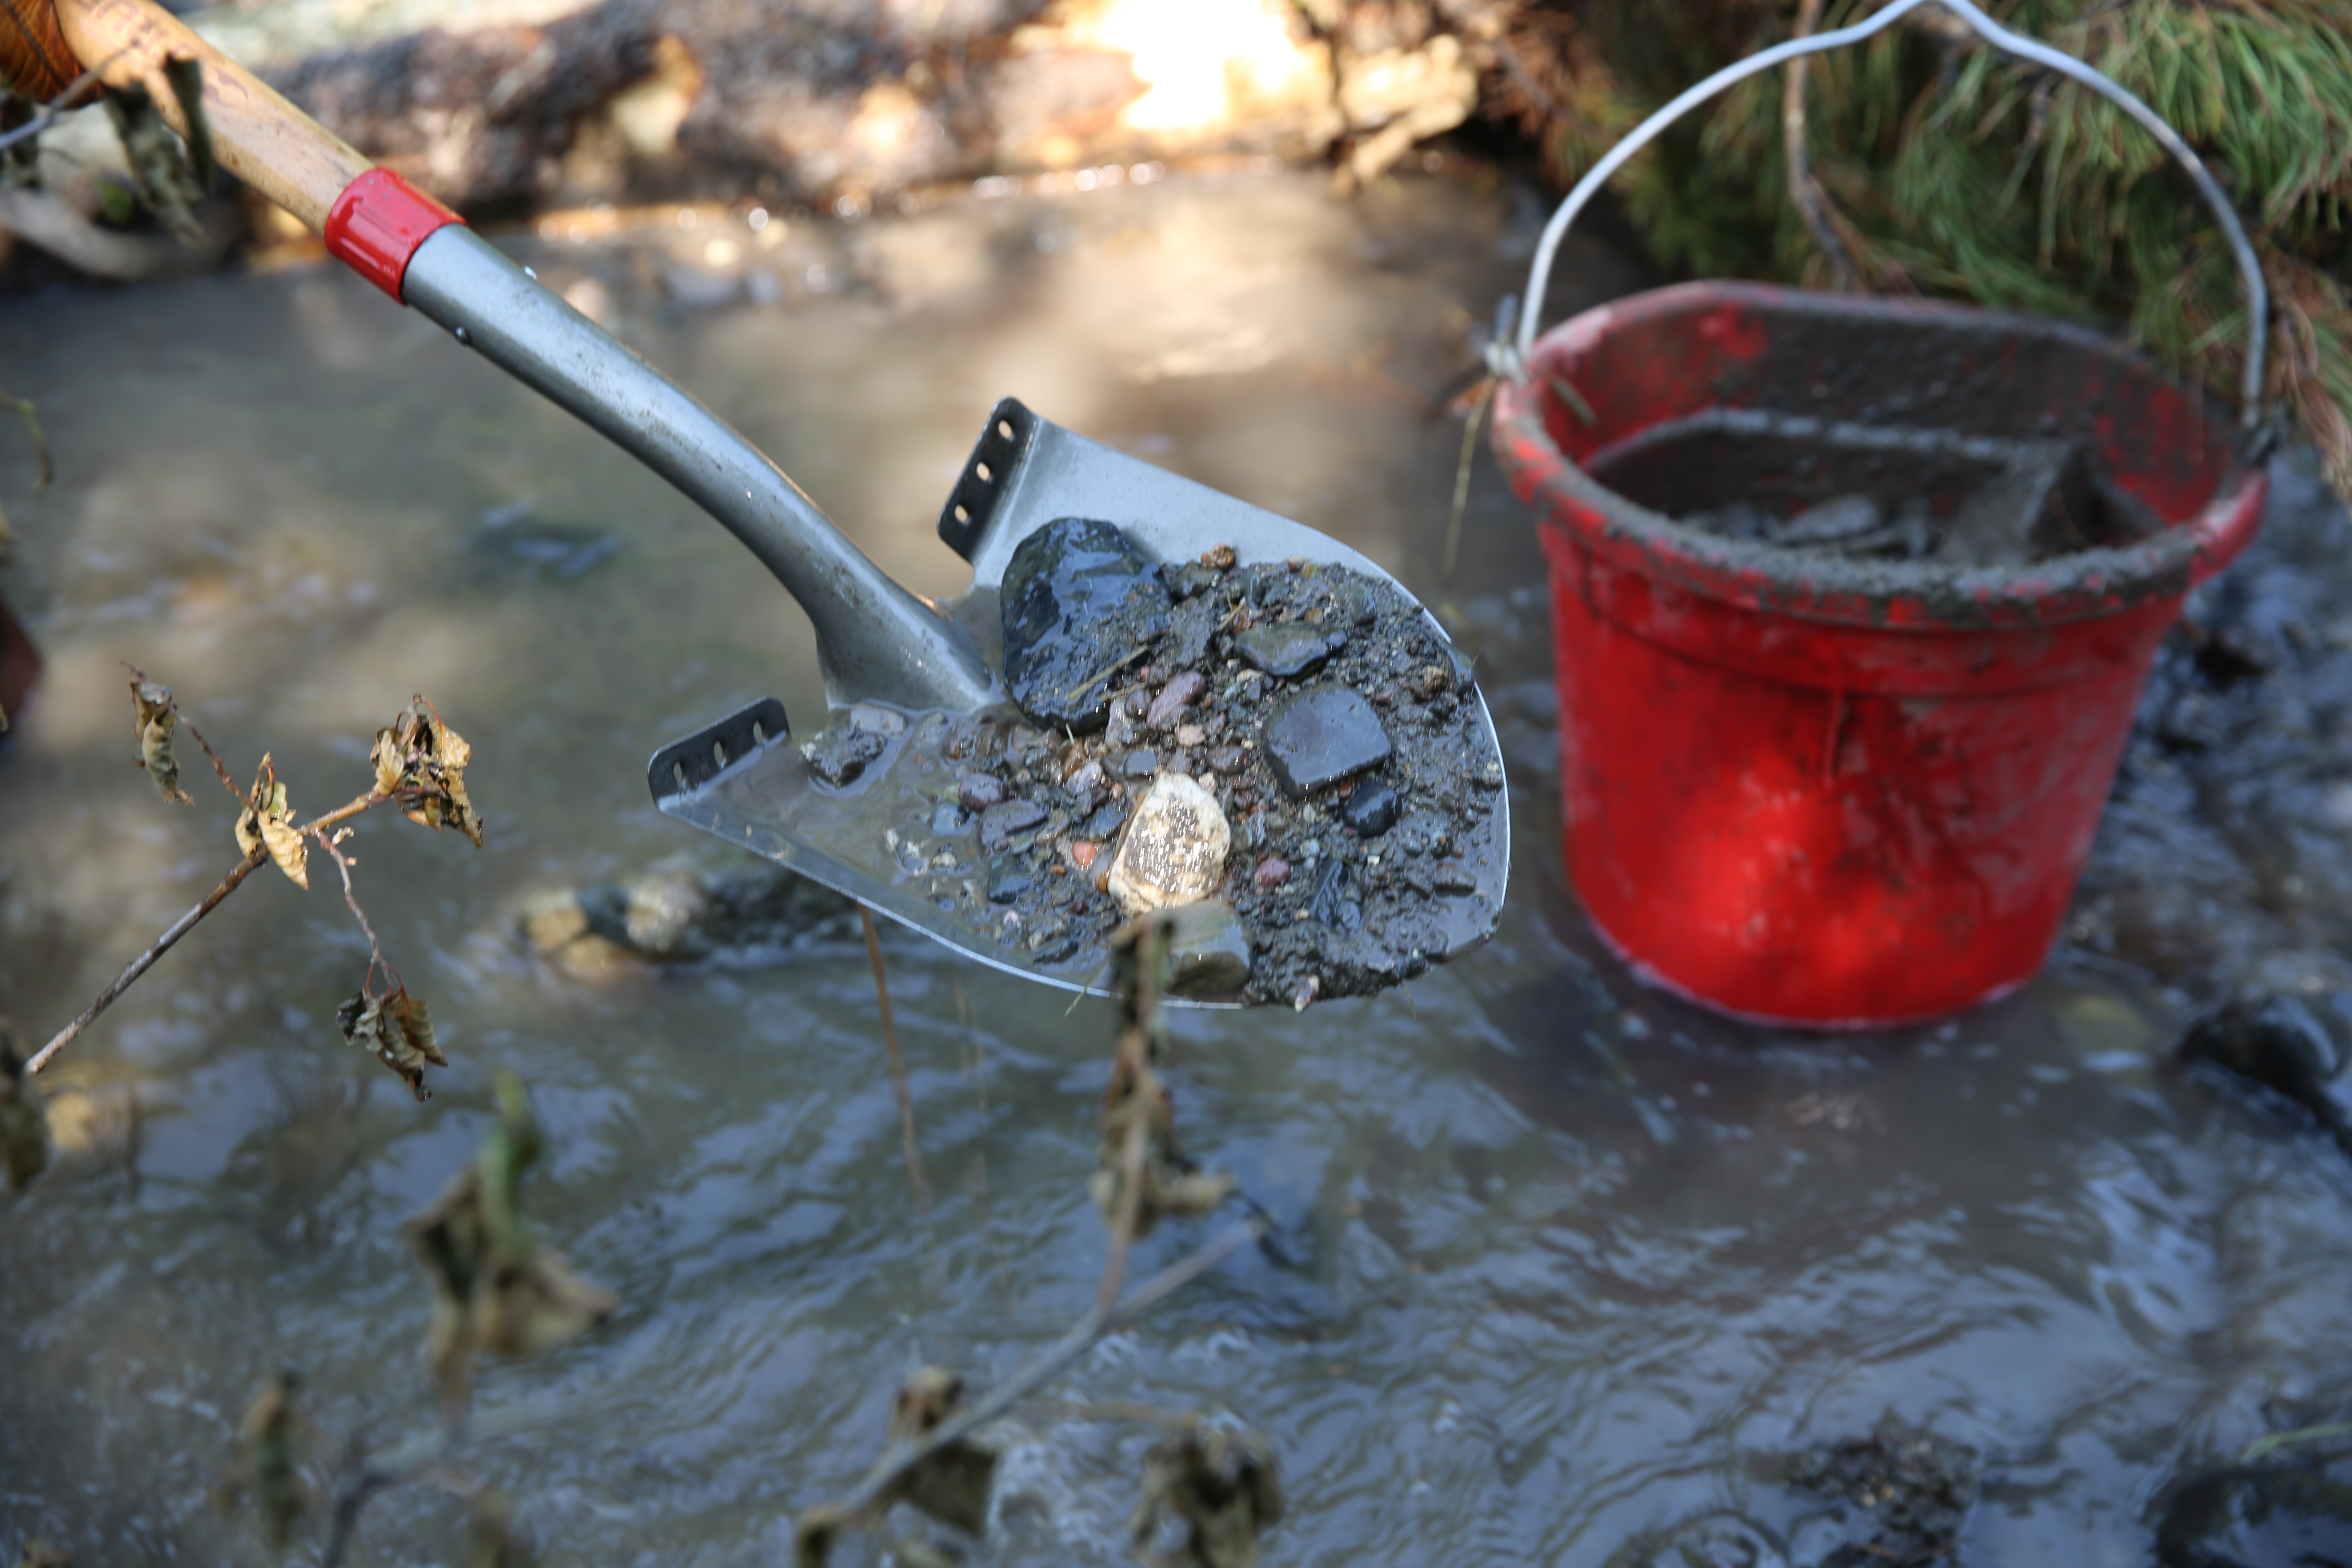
point(1335, 728)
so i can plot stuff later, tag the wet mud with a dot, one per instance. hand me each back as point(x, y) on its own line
point(1875, 492)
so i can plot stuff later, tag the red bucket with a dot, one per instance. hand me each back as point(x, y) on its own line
point(1807, 788)
point(1817, 790)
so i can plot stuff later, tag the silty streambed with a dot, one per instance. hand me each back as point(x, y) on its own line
point(1570, 1259)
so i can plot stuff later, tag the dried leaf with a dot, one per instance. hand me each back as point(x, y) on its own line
point(1222, 1483)
point(267, 823)
point(158, 163)
point(24, 1125)
point(495, 1287)
point(268, 1469)
point(951, 1485)
point(490, 1539)
point(155, 718)
point(535, 1303)
point(398, 1028)
point(39, 1554)
point(424, 760)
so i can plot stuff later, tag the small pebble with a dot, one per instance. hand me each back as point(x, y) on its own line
point(1371, 809)
point(1191, 734)
point(978, 792)
point(1139, 765)
point(840, 755)
point(1271, 873)
point(1000, 823)
point(1182, 691)
point(950, 817)
point(1007, 881)
point(1083, 853)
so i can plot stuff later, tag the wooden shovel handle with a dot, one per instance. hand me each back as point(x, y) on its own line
point(257, 135)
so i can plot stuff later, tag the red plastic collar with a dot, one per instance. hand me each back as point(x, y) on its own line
point(377, 224)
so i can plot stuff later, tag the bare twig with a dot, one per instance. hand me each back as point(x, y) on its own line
point(376, 959)
point(894, 1466)
point(1462, 474)
point(146, 960)
point(897, 1068)
point(1804, 190)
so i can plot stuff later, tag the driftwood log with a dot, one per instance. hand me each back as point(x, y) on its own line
point(647, 99)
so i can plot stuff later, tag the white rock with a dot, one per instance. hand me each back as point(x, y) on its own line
point(1173, 852)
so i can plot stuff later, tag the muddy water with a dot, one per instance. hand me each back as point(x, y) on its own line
point(1566, 1260)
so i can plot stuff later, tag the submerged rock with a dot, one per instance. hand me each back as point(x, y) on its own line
point(680, 912)
point(1174, 850)
point(1078, 600)
point(2255, 1516)
point(1320, 735)
point(2282, 1043)
point(1918, 1489)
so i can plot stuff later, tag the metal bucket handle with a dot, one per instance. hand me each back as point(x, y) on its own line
point(2000, 37)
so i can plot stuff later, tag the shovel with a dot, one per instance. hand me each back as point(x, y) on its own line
point(882, 649)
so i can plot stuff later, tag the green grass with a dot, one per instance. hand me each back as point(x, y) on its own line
point(1962, 173)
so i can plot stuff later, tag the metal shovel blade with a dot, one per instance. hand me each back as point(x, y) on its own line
point(743, 779)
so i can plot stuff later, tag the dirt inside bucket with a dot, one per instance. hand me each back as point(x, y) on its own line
point(1335, 729)
point(1875, 491)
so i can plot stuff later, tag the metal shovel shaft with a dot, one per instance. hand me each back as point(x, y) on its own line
point(875, 639)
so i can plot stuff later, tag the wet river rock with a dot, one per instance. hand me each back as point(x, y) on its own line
point(1079, 602)
point(1321, 735)
point(1288, 650)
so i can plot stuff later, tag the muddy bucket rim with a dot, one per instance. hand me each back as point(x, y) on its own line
point(1886, 595)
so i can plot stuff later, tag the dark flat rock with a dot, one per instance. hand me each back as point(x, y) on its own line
point(1290, 649)
point(1322, 734)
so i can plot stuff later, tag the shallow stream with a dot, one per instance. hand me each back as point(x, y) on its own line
point(1567, 1262)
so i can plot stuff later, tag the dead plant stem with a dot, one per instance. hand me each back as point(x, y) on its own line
point(146, 960)
point(898, 1067)
point(1462, 474)
point(896, 1466)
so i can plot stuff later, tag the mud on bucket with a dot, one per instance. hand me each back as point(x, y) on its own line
point(1835, 743)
